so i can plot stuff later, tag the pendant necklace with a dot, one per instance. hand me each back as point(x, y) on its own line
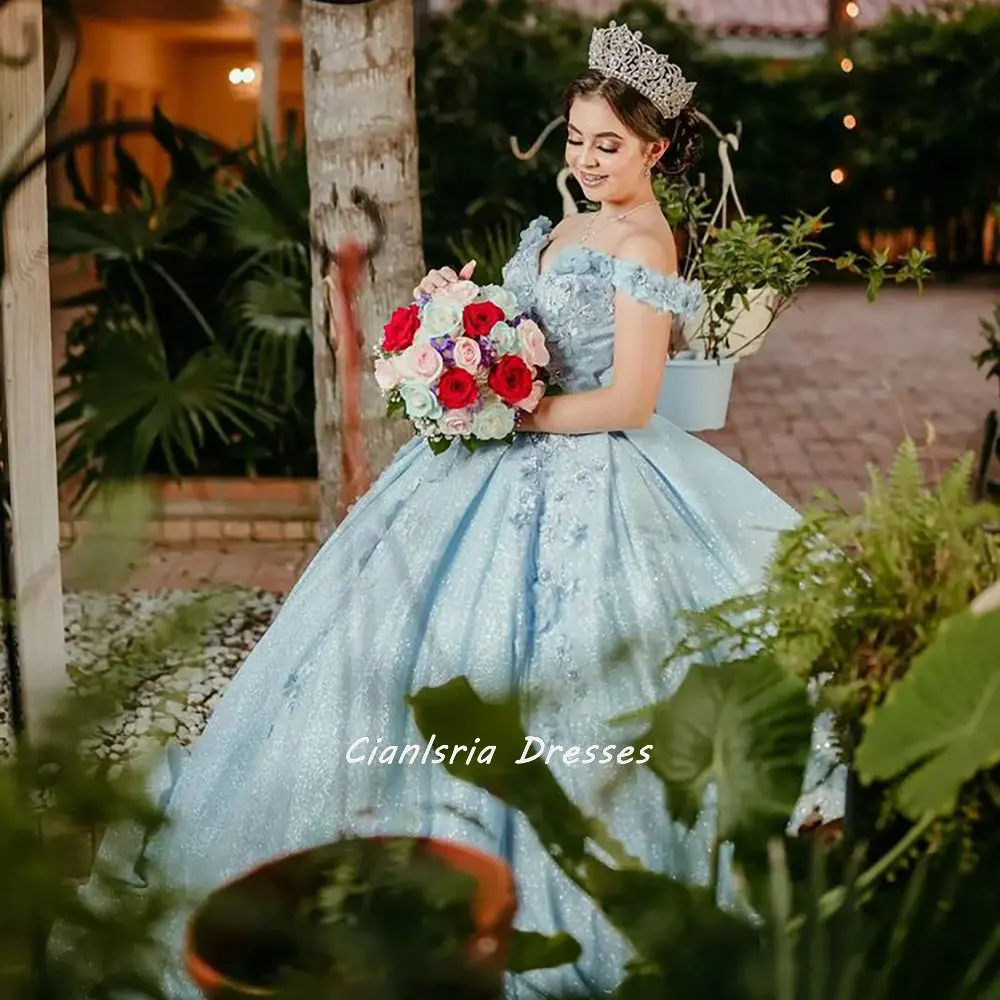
point(618, 218)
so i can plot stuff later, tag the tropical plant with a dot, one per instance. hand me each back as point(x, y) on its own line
point(74, 925)
point(989, 356)
point(173, 364)
point(747, 264)
point(853, 597)
point(829, 922)
point(497, 246)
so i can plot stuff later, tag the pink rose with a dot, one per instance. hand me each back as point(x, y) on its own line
point(533, 348)
point(530, 403)
point(423, 362)
point(387, 375)
point(457, 423)
point(459, 292)
point(467, 354)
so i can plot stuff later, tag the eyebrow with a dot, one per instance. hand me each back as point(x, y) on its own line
point(600, 135)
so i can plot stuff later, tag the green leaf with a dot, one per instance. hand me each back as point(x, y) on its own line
point(942, 720)
point(453, 713)
point(530, 950)
point(439, 445)
point(745, 727)
point(676, 926)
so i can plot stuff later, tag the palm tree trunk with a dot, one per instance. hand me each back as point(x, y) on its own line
point(361, 131)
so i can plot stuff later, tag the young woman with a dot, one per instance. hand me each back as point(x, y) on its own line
point(521, 566)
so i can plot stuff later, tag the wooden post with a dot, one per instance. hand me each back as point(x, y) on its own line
point(26, 337)
point(269, 57)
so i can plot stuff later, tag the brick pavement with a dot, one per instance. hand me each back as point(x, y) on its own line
point(836, 385)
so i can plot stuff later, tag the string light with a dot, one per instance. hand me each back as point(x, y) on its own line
point(846, 64)
point(838, 175)
point(850, 122)
point(852, 10)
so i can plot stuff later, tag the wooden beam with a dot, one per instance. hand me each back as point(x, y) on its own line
point(269, 57)
point(26, 335)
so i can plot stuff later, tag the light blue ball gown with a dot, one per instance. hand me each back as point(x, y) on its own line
point(517, 565)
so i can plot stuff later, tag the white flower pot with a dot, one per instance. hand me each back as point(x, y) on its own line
point(746, 326)
point(695, 392)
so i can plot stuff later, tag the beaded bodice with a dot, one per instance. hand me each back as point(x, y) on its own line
point(574, 301)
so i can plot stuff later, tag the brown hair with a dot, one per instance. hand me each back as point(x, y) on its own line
point(641, 117)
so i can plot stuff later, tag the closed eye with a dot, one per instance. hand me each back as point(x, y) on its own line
point(603, 149)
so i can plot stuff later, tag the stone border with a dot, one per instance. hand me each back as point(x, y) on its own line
point(221, 509)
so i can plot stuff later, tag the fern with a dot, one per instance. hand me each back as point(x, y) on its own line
point(851, 597)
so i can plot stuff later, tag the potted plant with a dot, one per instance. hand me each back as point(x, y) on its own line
point(750, 272)
point(381, 916)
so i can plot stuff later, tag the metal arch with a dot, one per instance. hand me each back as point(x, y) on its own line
point(14, 172)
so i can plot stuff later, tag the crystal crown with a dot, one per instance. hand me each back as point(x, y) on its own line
point(618, 52)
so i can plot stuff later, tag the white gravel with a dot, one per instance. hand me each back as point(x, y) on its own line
point(172, 696)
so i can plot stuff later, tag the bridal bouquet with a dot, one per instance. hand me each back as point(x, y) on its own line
point(463, 365)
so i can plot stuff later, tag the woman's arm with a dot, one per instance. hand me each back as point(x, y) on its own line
point(642, 343)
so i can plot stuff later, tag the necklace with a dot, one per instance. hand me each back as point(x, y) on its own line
point(596, 220)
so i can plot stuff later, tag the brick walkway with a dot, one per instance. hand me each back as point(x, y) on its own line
point(837, 384)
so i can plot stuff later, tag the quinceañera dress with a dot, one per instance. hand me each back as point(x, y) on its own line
point(516, 565)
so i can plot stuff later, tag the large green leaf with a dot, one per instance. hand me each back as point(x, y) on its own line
point(744, 727)
point(531, 950)
point(662, 918)
point(942, 720)
point(454, 713)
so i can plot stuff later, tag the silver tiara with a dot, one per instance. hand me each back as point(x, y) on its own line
point(616, 51)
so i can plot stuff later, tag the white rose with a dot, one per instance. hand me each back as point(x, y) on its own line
point(440, 318)
point(493, 422)
point(459, 292)
point(501, 297)
point(467, 355)
point(420, 402)
point(387, 375)
point(503, 338)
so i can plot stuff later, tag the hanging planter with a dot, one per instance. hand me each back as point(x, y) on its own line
point(695, 391)
point(749, 272)
point(409, 914)
point(696, 387)
point(745, 325)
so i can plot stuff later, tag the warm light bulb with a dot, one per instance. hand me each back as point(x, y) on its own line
point(249, 74)
point(838, 175)
point(850, 121)
point(846, 64)
point(852, 10)
point(235, 75)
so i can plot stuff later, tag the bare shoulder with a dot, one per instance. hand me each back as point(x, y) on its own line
point(654, 249)
point(571, 226)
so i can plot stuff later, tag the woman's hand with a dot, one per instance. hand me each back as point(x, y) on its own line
point(531, 423)
point(441, 278)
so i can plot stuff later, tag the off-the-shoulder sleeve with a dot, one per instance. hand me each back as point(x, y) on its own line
point(664, 292)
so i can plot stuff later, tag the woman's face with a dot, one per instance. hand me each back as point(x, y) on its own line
point(607, 159)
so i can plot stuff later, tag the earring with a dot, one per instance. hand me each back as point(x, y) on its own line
point(645, 170)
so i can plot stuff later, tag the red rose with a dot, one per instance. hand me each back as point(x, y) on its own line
point(401, 329)
point(457, 389)
point(511, 379)
point(479, 318)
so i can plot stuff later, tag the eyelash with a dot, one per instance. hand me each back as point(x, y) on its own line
point(579, 142)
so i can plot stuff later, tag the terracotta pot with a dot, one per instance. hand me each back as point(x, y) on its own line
point(240, 918)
